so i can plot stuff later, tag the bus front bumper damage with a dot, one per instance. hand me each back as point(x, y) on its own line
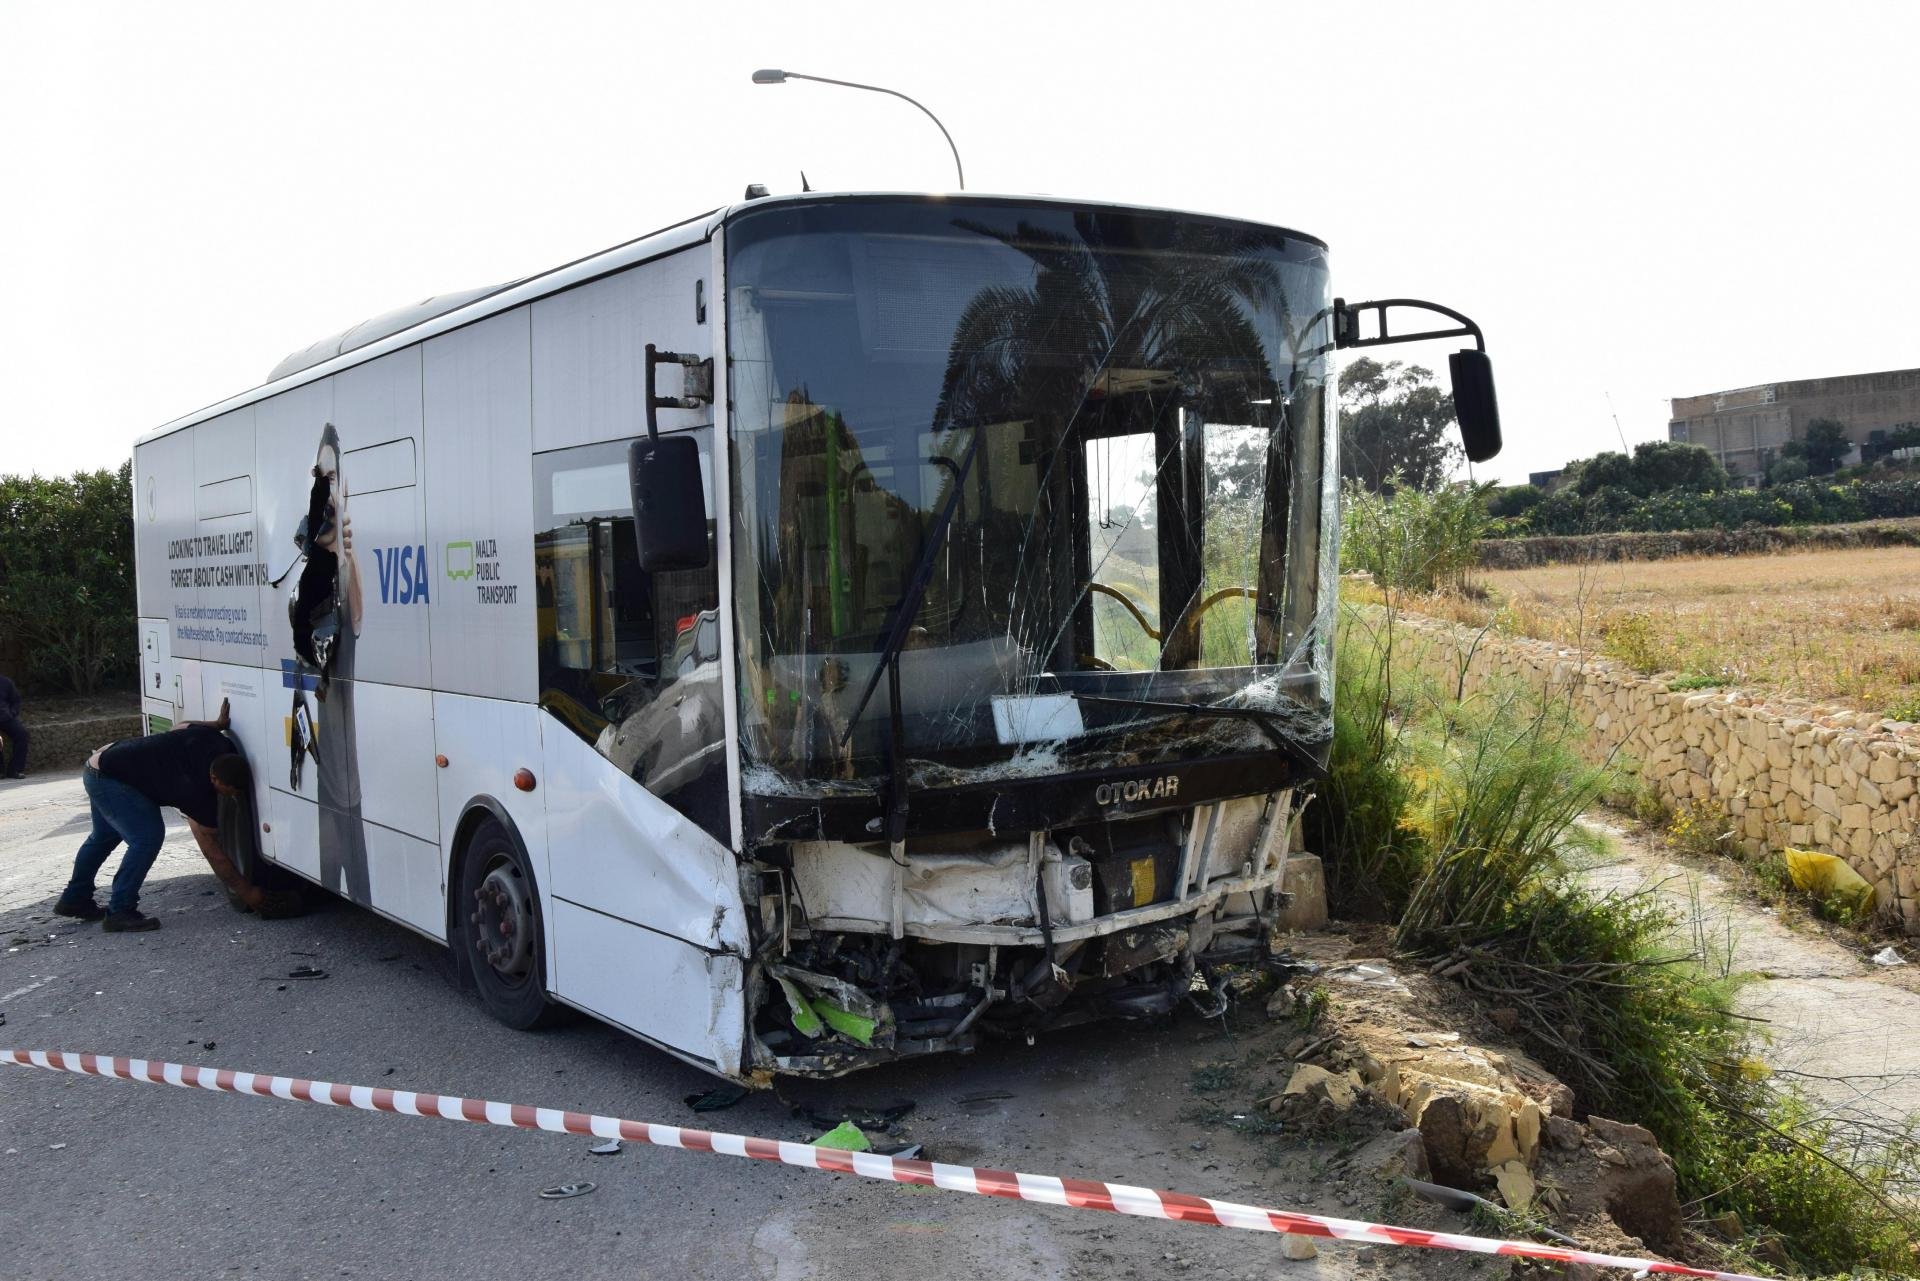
point(844, 988)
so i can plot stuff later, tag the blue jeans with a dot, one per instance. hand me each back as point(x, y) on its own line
point(120, 813)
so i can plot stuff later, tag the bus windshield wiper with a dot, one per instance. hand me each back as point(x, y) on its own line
point(1266, 720)
point(908, 608)
point(904, 613)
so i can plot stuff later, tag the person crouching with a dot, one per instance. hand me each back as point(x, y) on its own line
point(127, 783)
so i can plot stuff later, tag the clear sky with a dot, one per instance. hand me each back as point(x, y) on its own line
point(1635, 200)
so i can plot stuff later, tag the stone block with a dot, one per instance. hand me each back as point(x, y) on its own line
point(1305, 879)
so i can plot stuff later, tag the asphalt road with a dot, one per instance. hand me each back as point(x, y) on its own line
point(107, 1178)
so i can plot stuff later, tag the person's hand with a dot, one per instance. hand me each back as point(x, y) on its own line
point(346, 535)
point(220, 721)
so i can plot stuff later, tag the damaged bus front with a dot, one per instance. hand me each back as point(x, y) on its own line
point(1033, 554)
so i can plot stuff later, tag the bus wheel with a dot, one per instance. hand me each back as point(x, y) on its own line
point(502, 934)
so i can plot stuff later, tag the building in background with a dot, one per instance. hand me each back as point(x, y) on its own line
point(1547, 480)
point(1746, 428)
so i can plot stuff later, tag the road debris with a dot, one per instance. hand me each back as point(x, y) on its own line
point(1296, 1247)
point(612, 1147)
point(306, 972)
point(845, 1137)
point(718, 1099)
point(566, 1191)
point(1887, 955)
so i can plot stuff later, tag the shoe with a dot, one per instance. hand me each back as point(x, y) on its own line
point(82, 909)
point(128, 922)
point(16, 776)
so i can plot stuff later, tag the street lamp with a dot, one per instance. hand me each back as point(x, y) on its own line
point(770, 76)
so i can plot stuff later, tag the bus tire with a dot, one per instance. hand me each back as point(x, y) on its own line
point(502, 935)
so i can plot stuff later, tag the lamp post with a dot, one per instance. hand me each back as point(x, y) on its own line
point(770, 76)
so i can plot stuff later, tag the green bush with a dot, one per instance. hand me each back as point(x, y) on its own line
point(1615, 509)
point(66, 576)
point(1414, 539)
point(1514, 500)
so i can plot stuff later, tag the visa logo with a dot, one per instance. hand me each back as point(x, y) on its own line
point(403, 575)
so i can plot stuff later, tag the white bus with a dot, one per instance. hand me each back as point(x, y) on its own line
point(831, 629)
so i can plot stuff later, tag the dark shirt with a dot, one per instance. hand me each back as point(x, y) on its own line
point(171, 769)
point(9, 700)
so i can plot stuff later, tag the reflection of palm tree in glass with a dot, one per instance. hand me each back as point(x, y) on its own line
point(1103, 314)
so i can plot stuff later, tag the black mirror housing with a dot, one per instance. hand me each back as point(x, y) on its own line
point(1474, 404)
point(669, 503)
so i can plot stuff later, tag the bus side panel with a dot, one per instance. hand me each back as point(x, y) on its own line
point(479, 503)
point(589, 352)
point(403, 879)
point(164, 496)
point(225, 556)
point(664, 989)
point(377, 415)
point(295, 822)
point(253, 721)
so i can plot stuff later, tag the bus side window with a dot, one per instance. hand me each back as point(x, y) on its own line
point(628, 661)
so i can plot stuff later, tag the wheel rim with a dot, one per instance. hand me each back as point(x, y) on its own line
point(503, 922)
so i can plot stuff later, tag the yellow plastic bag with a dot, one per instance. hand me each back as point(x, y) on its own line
point(1828, 877)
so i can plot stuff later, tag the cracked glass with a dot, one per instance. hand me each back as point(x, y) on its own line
point(1076, 461)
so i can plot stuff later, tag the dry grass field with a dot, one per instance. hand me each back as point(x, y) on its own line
point(1827, 626)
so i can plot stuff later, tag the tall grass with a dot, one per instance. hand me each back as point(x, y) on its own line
point(1454, 817)
point(1414, 539)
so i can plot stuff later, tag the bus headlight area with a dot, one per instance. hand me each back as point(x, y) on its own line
point(863, 957)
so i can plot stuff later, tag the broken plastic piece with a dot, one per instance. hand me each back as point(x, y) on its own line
point(805, 1021)
point(846, 1022)
point(903, 1151)
point(610, 1148)
point(1366, 975)
point(846, 1137)
point(718, 1099)
point(566, 1190)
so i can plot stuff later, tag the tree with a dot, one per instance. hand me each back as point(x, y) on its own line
point(1822, 448)
point(1514, 500)
point(1606, 470)
point(1394, 419)
point(66, 575)
point(1784, 471)
point(1662, 465)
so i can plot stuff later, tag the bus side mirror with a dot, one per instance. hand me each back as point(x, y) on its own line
point(669, 503)
point(1474, 405)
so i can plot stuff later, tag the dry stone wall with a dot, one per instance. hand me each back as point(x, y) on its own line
point(1781, 773)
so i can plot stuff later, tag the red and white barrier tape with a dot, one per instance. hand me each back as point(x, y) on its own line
point(1047, 1189)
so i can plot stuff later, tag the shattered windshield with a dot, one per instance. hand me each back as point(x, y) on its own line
point(1096, 438)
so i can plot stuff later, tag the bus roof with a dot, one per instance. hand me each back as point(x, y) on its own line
point(442, 313)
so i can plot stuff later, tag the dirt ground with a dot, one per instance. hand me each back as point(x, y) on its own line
point(1837, 1024)
point(1825, 626)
